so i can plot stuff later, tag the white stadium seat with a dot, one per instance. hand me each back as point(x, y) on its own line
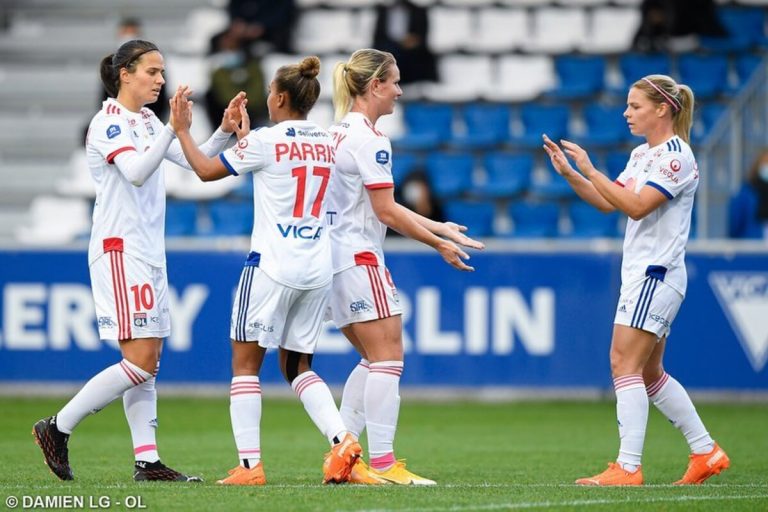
point(611, 30)
point(450, 29)
point(557, 30)
point(521, 78)
point(323, 31)
point(462, 78)
point(499, 30)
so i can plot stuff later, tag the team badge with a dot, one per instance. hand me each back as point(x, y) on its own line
point(382, 157)
point(113, 131)
point(148, 124)
point(242, 143)
point(140, 319)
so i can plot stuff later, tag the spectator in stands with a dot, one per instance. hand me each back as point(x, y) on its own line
point(125, 148)
point(234, 70)
point(366, 88)
point(401, 29)
point(656, 191)
point(663, 20)
point(267, 22)
point(415, 193)
point(758, 179)
point(283, 291)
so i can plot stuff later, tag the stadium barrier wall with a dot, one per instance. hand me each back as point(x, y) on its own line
point(523, 319)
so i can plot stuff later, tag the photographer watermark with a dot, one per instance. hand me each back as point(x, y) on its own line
point(30, 502)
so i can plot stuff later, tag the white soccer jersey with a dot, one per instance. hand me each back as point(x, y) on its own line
point(655, 245)
point(292, 164)
point(122, 211)
point(363, 161)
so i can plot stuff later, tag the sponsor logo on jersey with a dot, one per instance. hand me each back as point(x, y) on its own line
point(382, 157)
point(113, 131)
point(360, 306)
point(290, 132)
point(132, 123)
point(669, 174)
point(106, 321)
point(140, 319)
point(675, 165)
point(623, 308)
point(316, 133)
point(258, 325)
point(303, 232)
point(743, 296)
point(150, 130)
point(659, 319)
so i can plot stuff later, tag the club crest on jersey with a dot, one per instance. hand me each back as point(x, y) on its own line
point(743, 296)
point(675, 165)
point(290, 132)
point(382, 157)
point(140, 319)
point(150, 130)
point(113, 131)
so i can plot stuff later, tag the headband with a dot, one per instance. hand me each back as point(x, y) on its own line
point(671, 100)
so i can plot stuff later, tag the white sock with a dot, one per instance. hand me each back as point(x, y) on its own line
point(98, 392)
point(669, 397)
point(140, 404)
point(382, 407)
point(245, 411)
point(319, 404)
point(632, 415)
point(352, 400)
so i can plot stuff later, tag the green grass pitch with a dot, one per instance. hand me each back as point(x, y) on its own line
point(501, 456)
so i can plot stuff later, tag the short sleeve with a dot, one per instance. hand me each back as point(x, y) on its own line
point(671, 173)
point(110, 136)
point(374, 160)
point(245, 156)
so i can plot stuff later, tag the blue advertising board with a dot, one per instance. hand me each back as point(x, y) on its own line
point(522, 319)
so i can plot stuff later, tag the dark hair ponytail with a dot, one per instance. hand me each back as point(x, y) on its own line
point(301, 83)
point(127, 56)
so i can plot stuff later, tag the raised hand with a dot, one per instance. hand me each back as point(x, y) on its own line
point(181, 109)
point(244, 127)
point(232, 116)
point(579, 156)
point(557, 157)
point(455, 233)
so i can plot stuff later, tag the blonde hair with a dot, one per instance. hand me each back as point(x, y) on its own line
point(301, 83)
point(679, 97)
point(351, 78)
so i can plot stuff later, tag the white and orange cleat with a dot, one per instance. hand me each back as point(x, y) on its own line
point(361, 474)
point(338, 463)
point(704, 465)
point(397, 474)
point(614, 475)
point(244, 476)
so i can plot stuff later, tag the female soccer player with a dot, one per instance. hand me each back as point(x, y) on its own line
point(283, 291)
point(125, 146)
point(656, 191)
point(364, 301)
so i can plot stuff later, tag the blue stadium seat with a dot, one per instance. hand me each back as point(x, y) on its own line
point(180, 218)
point(427, 126)
point(705, 74)
point(606, 125)
point(635, 66)
point(231, 218)
point(745, 27)
point(589, 222)
point(705, 119)
point(555, 187)
point(615, 163)
point(478, 217)
point(244, 191)
point(745, 66)
point(487, 125)
point(579, 77)
point(539, 119)
point(507, 175)
point(403, 164)
point(450, 174)
point(742, 214)
point(534, 220)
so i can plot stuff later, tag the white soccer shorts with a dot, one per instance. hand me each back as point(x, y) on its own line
point(275, 315)
point(131, 297)
point(363, 293)
point(648, 304)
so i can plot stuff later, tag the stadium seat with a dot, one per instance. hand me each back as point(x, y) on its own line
point(589, 222)
point(579, 77)
point(55, 220)
point(313, 35)
point(450, 29)
point(487, 124)
point(403, 164)
point(462, 78)
point(534, 220)
point(538, 119)
point(705, 119)
point(745, 27)
point(230, 218)
point(180, 218)
point(521, 78)
point(450, 174)
point(611, 30)
point(478, 217)
point(615, 163)
point(705, 74)
point(499, 30)
point(427, 126)
point(746, 66)
point(507, 175)
point(557, 30)
point(605, 125)
point(742, 214)
point(634, 66)
point(549, 185)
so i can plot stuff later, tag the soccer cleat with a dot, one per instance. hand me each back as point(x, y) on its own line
point(54, 446)
point(361, 474)
point(338, 463)
point(614, 475)
point(397, 474)
point(244, 476)
point(159, 472)
point(704, 465)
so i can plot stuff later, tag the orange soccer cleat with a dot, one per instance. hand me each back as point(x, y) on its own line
point(244, 476)
point(397, 474)
point(338, 463)
point(361, 474)
point(704, 465)
point(614, 475)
